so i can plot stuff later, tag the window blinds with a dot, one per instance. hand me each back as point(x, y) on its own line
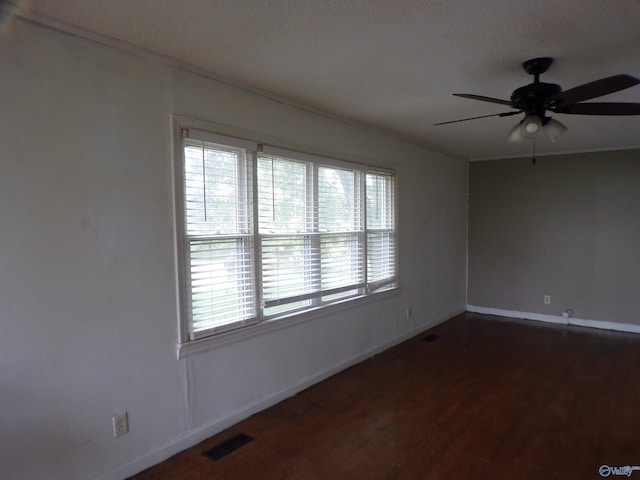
point(311, 231)
point(381, 229)
point(269, 231)
point(219, 242)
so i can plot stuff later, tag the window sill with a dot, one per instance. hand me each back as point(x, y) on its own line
point(267, 326)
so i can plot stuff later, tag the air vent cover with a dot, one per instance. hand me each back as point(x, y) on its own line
point(228, 446)
point(431, 337)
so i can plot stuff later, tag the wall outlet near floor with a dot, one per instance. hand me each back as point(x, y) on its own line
point(547, 299)
point(120, 424)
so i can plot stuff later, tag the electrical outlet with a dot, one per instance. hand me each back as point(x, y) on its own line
point(547, 299)
point(120, 424)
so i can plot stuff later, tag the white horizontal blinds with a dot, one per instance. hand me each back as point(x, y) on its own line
point(339, 200)
point(341, 228)
point(269, 231)
point(217, 190)
point(381, 230)
point(219, 243)
point(218, 139)
point(221, 283)
point(289, 272)
point(283, 197)
point(312, 232)
point(285, 222)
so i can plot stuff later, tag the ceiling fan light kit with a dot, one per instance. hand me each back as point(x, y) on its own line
point(554, 130)
point(515, 135)
point(535, 99)
point(531, 126)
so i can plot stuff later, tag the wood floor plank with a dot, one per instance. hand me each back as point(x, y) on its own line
point(489, 398)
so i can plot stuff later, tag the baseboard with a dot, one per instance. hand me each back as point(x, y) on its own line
point(197, 435)
point(539, 317)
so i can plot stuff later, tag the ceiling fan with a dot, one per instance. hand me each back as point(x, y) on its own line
point(537, 99)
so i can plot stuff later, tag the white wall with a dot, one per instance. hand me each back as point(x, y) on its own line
point(568, 227)
point(88, 315)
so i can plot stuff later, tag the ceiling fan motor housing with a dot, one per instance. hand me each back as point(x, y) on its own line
point(533, 98)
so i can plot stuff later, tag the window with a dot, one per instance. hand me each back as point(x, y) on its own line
point(381, 228)
point(219, 241)
point(267, 232)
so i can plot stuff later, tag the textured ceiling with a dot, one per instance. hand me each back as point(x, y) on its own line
point(393, 64)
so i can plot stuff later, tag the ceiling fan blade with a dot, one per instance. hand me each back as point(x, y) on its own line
point(488, 99)
point(505, 114)
point(600, 109)
point(594, 89)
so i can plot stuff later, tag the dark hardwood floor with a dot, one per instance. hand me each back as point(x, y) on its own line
point(488, 399)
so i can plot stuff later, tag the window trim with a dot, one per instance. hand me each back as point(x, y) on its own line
point(261, 324)
point(269, 325)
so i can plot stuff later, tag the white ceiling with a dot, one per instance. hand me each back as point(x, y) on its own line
point(393, 64)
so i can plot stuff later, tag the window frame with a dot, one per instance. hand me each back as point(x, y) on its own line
point(243, 235)
point(261, 322)
point(313, 237)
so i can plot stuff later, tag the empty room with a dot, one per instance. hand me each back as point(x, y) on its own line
point(319, 239)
